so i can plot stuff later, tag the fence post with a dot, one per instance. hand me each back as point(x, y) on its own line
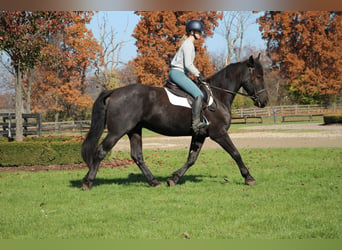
point(275, 114)
point(39, 123)
point(9, 135)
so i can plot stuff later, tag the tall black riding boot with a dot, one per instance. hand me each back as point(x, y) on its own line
point(197, 125)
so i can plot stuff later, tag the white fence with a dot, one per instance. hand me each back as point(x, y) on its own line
point(72, 126)
point(286, 110)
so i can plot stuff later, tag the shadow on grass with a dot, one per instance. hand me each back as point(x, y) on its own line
point(135, 179)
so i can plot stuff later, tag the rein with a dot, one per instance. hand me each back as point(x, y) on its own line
point(229, 91)
point(239, 93)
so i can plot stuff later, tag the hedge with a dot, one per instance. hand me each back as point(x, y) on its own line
point(45, 153)
point(331, 119)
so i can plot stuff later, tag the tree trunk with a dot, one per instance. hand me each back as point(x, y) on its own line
point(18, 107)
point(28, 97)
point(240, 47)
point(56, 115)
point(30, 76)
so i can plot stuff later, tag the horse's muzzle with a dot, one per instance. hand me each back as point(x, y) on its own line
point(261, 99)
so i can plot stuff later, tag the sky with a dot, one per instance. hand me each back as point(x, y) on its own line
point(127, 20)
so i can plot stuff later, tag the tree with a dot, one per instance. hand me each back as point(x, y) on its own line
point(306, 49)
point(234, 25)
point(158, 34)
point(22, 36)
point(107, 72)
point(127, 74)
point(61, 80)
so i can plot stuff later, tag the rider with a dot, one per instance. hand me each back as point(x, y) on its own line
point(182, 63)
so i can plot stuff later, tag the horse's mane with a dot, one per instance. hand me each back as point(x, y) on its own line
point(231, 65)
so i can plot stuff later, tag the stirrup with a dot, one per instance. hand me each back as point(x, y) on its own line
point(205, 120)
point(200, 125)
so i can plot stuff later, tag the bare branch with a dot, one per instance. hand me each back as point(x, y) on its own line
point(112, 52)
point(235, 24)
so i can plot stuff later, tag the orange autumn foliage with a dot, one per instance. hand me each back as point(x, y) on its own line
point(60, 81)
point(306, 48)
point(158, 34)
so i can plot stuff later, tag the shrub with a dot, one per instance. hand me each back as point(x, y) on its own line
point(31, 153)
point(331, 119)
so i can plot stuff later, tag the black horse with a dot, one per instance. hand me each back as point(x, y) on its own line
point(128, 109)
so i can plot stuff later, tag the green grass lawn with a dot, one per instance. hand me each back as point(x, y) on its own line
point(297, 196)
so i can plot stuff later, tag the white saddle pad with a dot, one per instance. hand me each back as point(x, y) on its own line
point(177, 100)
point(182, 101)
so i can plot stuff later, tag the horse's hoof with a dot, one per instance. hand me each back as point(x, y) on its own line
point(86, 185)
point(170, 182)
point(155, 184)
point(250, 182)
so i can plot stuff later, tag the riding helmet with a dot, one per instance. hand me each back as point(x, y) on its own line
point(195, 25)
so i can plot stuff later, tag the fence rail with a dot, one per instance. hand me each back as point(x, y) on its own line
point(73, 126)
point(286, 110)
point(31, 124)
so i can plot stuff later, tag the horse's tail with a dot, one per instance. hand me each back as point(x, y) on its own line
point(98, 123)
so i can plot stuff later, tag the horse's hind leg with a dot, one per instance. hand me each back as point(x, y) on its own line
point(195, 148)
point(106, 145)
point(137, 156)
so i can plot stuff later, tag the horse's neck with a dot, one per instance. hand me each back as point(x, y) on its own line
point(227, 84)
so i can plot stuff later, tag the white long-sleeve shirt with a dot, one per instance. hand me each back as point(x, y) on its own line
point(184, 58)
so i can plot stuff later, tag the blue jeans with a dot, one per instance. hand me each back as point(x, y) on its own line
point(185, 83)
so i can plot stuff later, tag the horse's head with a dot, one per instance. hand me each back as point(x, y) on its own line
point(253, 82)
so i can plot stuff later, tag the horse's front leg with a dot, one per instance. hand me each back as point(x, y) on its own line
point(227, 144)
point(195, 148)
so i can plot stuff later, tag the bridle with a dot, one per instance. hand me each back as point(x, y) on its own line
point(254, 97)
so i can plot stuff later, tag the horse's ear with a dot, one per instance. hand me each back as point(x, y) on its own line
point(250, 62)
point(258, 56)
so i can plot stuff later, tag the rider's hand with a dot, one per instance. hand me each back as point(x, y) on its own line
point(201, 78)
